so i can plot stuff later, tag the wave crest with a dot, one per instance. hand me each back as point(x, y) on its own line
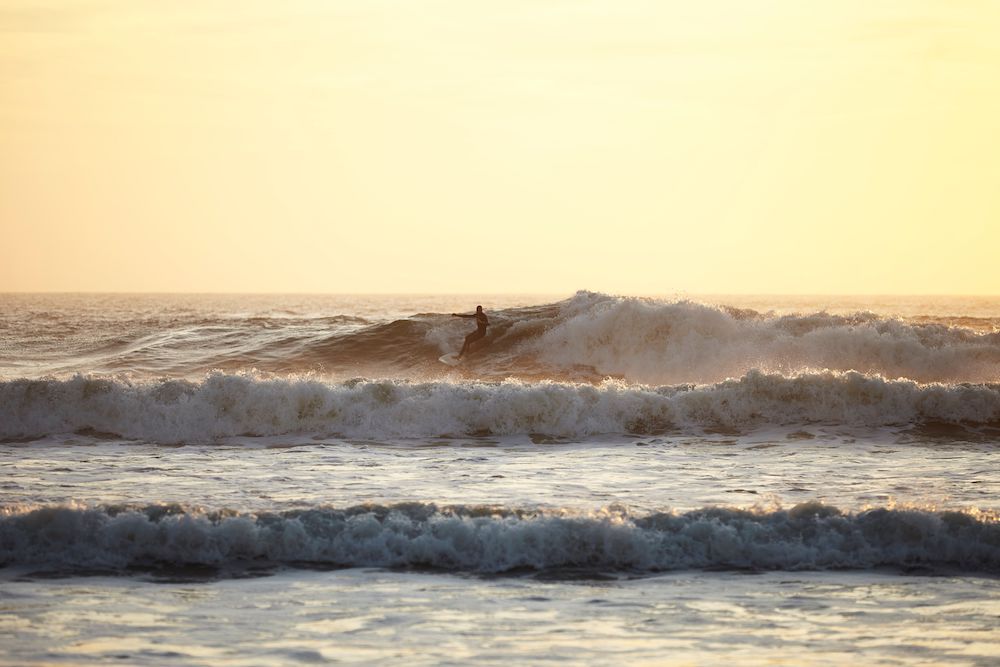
point(493, 540)
point(221, 406)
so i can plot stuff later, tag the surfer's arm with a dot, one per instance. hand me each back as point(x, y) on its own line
point(461, 315)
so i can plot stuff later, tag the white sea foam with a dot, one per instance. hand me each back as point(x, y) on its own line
point(491, 539)
point(220, 406)
point(654, 341)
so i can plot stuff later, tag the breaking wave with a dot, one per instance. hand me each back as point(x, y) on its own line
point(652, 341)
point(221, 406)
point(592, 336)
point(585, 338)
point(496, 540)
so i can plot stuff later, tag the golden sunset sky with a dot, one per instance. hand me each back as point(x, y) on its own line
point(764, 146)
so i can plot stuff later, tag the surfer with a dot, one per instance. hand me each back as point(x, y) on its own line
point(481, 323)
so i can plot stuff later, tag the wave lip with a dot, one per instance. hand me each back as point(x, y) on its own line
point(496, 540)
point(222, 406)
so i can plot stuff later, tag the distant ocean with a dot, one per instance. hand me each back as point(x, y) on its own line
point(238, 479)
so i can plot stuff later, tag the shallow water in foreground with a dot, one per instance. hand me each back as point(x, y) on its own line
point(240, 611)
point(377, 616)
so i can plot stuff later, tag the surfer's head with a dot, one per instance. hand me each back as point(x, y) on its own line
point(479, 309)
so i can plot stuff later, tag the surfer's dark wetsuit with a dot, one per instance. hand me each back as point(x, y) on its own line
point(481, 323)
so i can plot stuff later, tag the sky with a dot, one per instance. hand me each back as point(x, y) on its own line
point(525, 146)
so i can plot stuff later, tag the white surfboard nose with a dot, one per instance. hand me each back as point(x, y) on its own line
point(452, 359)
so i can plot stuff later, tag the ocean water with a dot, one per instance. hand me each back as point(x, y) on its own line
point(235, 479)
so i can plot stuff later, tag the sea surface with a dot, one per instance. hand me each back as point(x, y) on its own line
point(284, 479)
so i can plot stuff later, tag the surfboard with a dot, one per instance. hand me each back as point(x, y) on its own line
point(451, 359)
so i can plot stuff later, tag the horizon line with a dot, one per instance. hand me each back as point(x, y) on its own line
point(487, 293)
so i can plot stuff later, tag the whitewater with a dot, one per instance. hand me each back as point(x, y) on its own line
point(605, 478)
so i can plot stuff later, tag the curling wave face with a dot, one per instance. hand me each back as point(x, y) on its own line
point(591, 336)
point(496, 539)
point(221, 406)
